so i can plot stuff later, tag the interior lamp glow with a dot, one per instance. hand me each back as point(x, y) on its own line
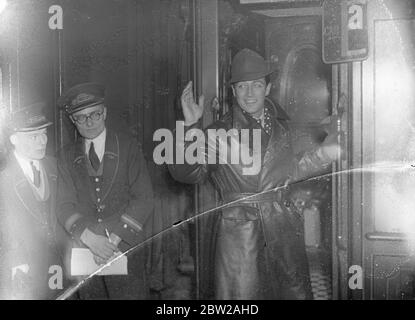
point(3, 5)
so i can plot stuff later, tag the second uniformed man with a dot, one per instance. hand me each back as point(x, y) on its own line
point(103, 180)
point(31, 242)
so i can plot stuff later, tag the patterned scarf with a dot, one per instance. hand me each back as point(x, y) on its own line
point(266, 118)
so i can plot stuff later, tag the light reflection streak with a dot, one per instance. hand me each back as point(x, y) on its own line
point(381, 167)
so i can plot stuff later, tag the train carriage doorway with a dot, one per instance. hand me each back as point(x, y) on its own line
point(290, 38)
point(362, 225)
point(303, 89)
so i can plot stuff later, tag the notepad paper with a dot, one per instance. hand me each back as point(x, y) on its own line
point(83, 264)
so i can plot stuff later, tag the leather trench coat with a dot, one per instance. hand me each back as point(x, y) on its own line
point(260, 249)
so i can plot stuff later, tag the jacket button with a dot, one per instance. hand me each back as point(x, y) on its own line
point(99, 220)
point(97, 189)
point(99, 200)
point(96, 179)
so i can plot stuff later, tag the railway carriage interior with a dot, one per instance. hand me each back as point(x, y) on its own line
point(354, 59)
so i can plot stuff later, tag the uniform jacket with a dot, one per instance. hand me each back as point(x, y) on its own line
point(98, 203)
point(260, 250)
point(29, 233)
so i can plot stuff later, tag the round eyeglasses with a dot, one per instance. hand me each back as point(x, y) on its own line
point(94, 116)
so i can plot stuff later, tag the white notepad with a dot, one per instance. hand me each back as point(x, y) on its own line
point(83, 264)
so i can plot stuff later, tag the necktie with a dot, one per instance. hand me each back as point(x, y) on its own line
point(93, 157)
point(36, 175)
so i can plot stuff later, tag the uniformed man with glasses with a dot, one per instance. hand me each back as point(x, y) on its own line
point(103, 180)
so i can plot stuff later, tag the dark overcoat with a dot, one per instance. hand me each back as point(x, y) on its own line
point(97, 203)
point(260, 250)
point(30, 234)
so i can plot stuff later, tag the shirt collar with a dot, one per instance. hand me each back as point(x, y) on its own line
point(99, 144)
point(24, 161)
point(25, 164)
point(259, 119)
point(99, 139)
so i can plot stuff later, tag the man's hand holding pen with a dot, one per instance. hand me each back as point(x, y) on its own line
point(100, 246)
point(113, 239)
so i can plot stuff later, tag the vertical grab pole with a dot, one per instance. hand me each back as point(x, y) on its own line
point(58, 90)
point(206, 82)
point(196, 187)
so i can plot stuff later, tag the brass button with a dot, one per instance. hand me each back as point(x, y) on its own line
point(97, 189)
point(99, 220)
point(96, 179)
point(125, 226)
point(99, 200)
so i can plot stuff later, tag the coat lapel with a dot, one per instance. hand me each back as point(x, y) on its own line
point(25, 193)
point(80, 165)
point(243, 121)
point(277, 162)
point(50, 168)
point(111, 162)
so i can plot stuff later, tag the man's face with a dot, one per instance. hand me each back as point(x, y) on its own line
point(90, 122)
point(30, 145)
point(251, 95)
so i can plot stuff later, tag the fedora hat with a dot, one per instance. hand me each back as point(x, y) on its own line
point(248, 65)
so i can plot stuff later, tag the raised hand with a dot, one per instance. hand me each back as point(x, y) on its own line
point(330, 146)
point(192, 111)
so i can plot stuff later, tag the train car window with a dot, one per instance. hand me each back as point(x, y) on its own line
point(394, 126)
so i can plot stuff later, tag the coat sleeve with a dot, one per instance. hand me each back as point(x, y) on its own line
point(137, 212)
point(313, 163)
point(186, 172)
point(68, 209)
point(13, 251)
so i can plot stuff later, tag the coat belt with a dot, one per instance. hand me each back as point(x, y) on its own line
point(250, 199)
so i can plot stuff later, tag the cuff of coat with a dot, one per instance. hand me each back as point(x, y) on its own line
point(196, 125)
point(129, 230)
point(77, 227)
point(324, 158)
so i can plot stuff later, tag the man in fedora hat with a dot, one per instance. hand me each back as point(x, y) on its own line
point(31, 244)
point(260, 249)
point(105, 195)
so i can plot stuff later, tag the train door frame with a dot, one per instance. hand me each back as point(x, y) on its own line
point(206, 80)
point(206, 38)
point(376, 251)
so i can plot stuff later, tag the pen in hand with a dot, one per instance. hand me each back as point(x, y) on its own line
point(113, 238)
point(108, 235)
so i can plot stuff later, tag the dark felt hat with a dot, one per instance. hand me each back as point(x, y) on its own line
point(29, 118)
point(82, 96)
point(247, 65)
